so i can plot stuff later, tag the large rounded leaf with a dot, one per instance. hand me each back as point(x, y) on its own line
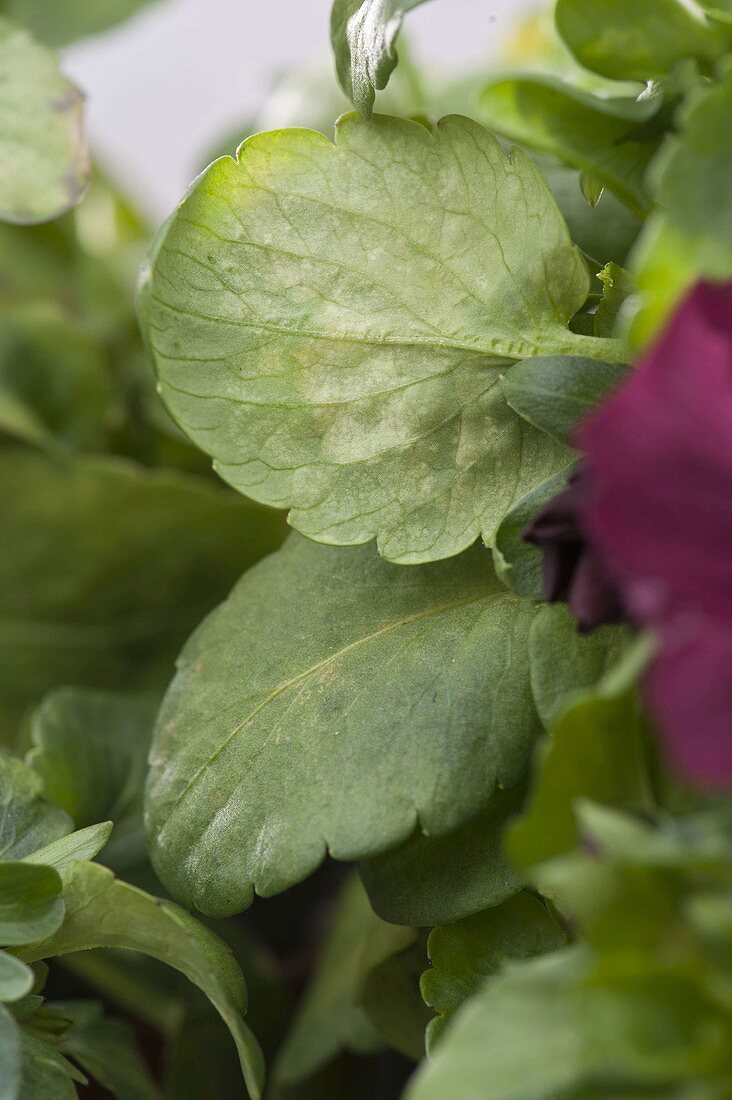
point(332, 703)
point(331, 322)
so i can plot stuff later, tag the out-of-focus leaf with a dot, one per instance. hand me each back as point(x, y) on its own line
point(102, 911)
point(437, 880)
point(60, 23)
point(91, 749)
point(330, 1018)
point(611, 138)
point(45, 1073)
point(270, 749)
point(636, 39)
point(105, 1049)
point(44, 168)
point(107, 568)
point(617, 286)
point(390, 998)
point(464, 954)
point(10, 1055)
point(605, 232)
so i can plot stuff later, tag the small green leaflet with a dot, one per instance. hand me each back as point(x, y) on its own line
point(331, 322)
point(27, 821)
point(464, 954)
point(16, 979)
point(102, 911)
point(363, 34)
point(30, 902)
point(636, 39)
point(518, 563)
point(335, 721)
point(44, 167)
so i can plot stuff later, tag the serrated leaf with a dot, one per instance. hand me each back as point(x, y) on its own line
point(16, 979)
point(330, 1018)
point(518, 563)
point(45, 165)
point(556, 393)
point(636, 39)
point(30, 902)
point(138, 557)
point(91, 749)
point(59, 24)
point(437, 880)
point(363, 35)
point(330, 322)
point(604, 136)
point(564, 662)
point(9, 1055)
point(27, 821)
point(465, 954)
point(617, 286)
point(337, 721)
point(102, 911)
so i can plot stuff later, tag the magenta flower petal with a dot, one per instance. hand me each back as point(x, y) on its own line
point(690, 692)
point(659, 455)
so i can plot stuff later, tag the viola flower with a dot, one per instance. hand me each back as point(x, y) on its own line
point(573, 571)
point(659, 511)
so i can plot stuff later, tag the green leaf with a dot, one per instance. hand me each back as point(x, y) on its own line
point(330, 1018)
point(363, 34)
point(518, 1039)
point(604, 232)
point(138, 558)
point(27, 821)
point(518, 563)
point(636, 39)
point(331, 323)
point(335, 722)
point(613, 138)
point(55, 385)
point(30, 902)
point(463, 955)
point(564, 662)
point(45, 1075)
point(598, 749)
point(692, 177)
point(102, 911)
point(390, 998)
point(45, 165)
point(83, 844)
point(16, 979)
point(105, 1049)
point(9, 1056)
point(556, 393)
point(91, 749)
point(436, 880)
point(58, 24)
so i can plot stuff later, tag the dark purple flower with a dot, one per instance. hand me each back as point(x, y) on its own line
point(573, 571)
point(660, 513)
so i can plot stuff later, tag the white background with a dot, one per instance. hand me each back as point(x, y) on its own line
point(166, 85)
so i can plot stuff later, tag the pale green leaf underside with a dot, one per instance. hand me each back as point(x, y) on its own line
point(44, 167)
point(102, 911)
point(330, 704)
point(331, 322)
point(363, 34)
